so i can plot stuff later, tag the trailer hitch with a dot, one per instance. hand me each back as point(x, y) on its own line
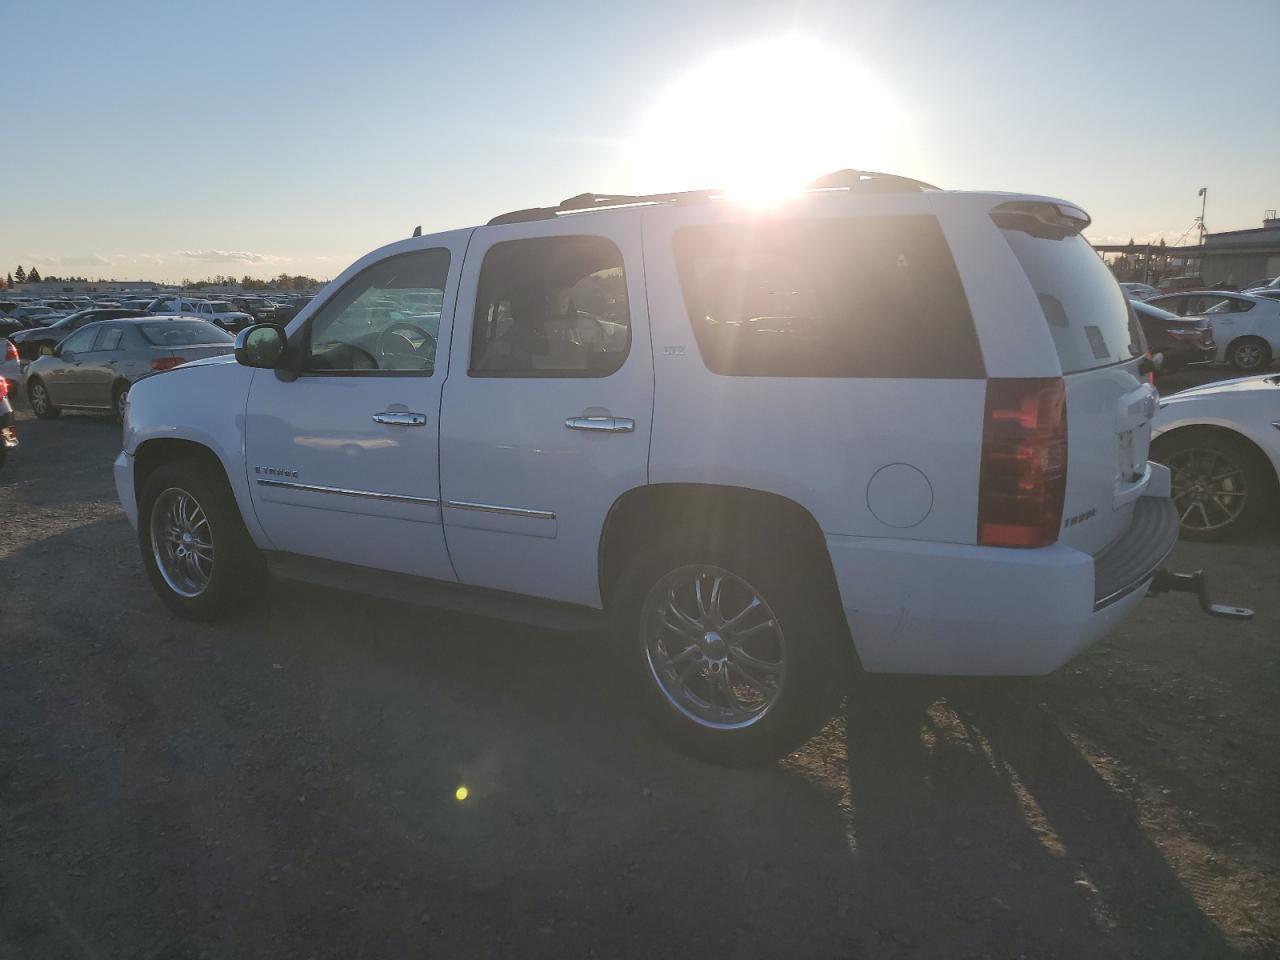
point(1166, 581)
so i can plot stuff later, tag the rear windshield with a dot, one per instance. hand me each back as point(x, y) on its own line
point(1087, 312)
point(183, 333)
point(845, 297)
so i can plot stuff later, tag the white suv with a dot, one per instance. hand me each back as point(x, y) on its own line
point(882, 426)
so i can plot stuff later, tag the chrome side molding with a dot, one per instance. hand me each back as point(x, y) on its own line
point(502, 511)
point(347, 492)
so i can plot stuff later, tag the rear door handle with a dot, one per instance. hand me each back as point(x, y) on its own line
point(401, 419)
point(601, 424)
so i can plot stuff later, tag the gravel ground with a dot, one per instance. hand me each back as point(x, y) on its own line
point(285, 785)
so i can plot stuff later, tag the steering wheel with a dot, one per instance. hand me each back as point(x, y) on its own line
point(393, 331)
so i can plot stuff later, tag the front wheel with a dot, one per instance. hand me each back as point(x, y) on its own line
point(121, 401)
point(195, 548)
point(736, 658)
point(41, 405)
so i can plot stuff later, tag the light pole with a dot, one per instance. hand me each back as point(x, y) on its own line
point(1204, 198)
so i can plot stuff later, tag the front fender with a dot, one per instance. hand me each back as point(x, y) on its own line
point(202, 404)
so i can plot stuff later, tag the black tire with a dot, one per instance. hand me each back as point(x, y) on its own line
point(119, 396)
point(1249, 354)
point(802, 604)
point(38, 398)
point(238, 574)
point(1191, 454)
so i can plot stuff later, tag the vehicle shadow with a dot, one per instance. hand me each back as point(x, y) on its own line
point(980, 820)
point(289, 783)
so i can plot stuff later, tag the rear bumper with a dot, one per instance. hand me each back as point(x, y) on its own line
point(122, 470)
point(954, 609)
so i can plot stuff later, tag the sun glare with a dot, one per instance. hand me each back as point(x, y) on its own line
point(761, 121)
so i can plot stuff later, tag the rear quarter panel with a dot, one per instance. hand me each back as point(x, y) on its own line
point(817, 441)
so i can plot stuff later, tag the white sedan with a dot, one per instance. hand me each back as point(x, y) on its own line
point(1222, 443)
point(1245, 327)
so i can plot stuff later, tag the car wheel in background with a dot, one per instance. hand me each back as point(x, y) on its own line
point(1249, 353)
point(195, 548)
point(1221, 484)
point(38, 397)
point(120, 400)
point(735, 656)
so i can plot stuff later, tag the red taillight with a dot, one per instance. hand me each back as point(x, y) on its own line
point(10, 351)
point(1023, 479)
point(166, 363)
point(4, 388)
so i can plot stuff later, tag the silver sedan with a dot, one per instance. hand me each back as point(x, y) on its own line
point(94, 367)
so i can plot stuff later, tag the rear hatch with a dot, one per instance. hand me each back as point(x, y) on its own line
point(1109, 403)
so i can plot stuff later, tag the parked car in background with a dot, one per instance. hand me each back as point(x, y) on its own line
point(10, 325)
point(1266, 283)
point(11, 367)
point(1180, 341)
point(1269, 293)
point(1222, 444)
point(31, 342)
point(1174, 284)
point(8, 426)
point(215, 311)
point(1139, 291)
point(34, 316)
point(94, 368)
point(629, 432)
point(1246, 328)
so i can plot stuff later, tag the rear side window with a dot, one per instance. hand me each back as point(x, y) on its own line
point(183, 333)
point(1087, 312)
point(843, 297)
point(551, 307)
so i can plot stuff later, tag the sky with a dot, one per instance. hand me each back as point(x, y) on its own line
point(163, 140)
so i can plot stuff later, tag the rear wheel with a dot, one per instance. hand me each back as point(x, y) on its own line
point(734, 654)
point(38, 397)
point(1249, 353)
point(1221, 487)
point(196, 550)
point(120, 400)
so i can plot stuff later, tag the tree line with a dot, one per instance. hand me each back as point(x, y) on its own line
point(283, 281)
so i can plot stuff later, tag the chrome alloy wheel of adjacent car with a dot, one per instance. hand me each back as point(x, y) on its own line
point(1248, 356)
point(182, 542)
point(1209, 490)
point(714, 646)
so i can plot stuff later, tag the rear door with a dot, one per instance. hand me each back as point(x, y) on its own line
point(548, 403)
point(97, 373)
point(1109, 403)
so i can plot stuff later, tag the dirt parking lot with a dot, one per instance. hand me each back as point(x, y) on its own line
point(285, 785)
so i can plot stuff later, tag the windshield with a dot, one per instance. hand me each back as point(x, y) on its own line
point(1087, 312)
point(183, 333)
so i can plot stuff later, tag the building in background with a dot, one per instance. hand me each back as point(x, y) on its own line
point(1234, 259)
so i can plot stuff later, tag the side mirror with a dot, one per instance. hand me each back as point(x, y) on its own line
point(261, 345)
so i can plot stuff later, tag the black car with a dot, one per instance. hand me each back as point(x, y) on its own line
point(1181, 340)
point(29, 342)
point(8, 432)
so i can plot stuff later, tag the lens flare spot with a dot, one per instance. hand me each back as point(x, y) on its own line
point(461, 794)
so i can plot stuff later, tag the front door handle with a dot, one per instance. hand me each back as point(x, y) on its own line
point(601, 424)
point(401, 419)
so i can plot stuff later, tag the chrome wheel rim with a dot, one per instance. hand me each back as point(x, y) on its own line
point(39, 399)
point(122, 401)
point(714, 647)
point(182, 542)
point(1248, 356)
point(1208, 490)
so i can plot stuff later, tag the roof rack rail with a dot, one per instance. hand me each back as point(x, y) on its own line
point(861, 180)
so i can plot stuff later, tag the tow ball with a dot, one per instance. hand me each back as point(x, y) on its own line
point(1166, 581)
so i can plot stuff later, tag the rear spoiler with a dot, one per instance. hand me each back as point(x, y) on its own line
point(1041, 218)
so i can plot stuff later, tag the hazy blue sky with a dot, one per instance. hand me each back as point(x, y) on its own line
point(170, 139)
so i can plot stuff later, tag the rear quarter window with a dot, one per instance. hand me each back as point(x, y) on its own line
point(842, 297)
point(1087, 312)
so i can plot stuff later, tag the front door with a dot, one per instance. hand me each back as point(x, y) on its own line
point(343, 461)
point(548, 402)
point(99, 370)
point(64, 382)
